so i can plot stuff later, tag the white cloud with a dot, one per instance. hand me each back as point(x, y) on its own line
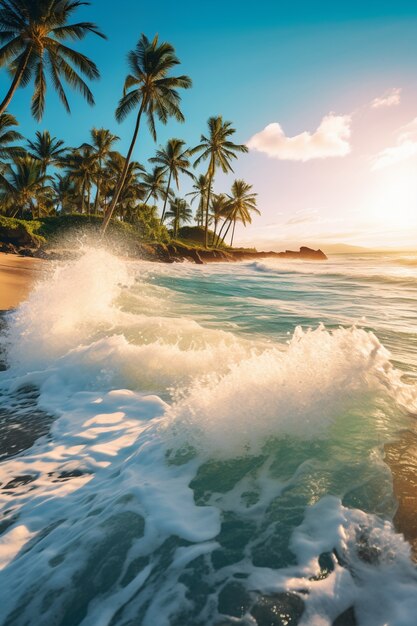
point(405, 148)
point(390, 99)
point(331, 139)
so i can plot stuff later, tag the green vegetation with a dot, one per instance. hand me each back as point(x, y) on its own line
point(32, 34)
point(64, 230)
point(195, 235)
point(61, 189)
point(26, 233)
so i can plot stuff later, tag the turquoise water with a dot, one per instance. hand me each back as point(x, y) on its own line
point(216, 444)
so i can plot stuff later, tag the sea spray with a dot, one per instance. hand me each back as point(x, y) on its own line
point(195, 475)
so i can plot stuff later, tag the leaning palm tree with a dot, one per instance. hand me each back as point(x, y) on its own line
point(200, 192)
point(219, 150)
point(150, 90)
point(102, 141)
point(219, 207)
point(32, 32)
point(153, 184)
point(22, 187)
point(46, 149)
point(242, 202)
point(174, 158)
point(180, 213)
point(9, 136)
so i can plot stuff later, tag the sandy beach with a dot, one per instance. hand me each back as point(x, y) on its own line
point(17, 274)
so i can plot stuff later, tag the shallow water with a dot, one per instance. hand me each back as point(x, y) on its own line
point(211, 444)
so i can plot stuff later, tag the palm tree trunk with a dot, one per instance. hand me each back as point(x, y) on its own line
point(147, 198)
point(233, 233)
point(166, 197)
point(119, 187)
point(220, 232)
point(16, 81)
point(216, 221)
point(83, 197)
point(227, 231)
point(207, 212)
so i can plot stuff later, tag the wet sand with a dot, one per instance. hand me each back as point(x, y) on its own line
point(17, 275)
point(401, 457)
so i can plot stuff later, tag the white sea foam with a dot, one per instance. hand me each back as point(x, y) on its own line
point(131, 497)
point(300, 392)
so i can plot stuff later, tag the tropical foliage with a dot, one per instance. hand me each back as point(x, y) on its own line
point(43, 177)
point(151, 91)
point(180, 213)
point(32, 34)
point(216, 148)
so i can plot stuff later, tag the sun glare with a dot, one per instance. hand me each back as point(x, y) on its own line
point(393, 201)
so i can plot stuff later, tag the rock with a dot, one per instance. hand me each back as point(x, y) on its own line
point(308, 253)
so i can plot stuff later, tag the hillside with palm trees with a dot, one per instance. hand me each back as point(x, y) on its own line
point(44, 178)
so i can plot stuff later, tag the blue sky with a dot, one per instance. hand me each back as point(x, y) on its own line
point(290, 63)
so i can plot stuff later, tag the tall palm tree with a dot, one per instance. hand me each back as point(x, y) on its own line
point(32, 32)
point(151, 90)
point(174, 158)
point(200, 192)
point(219, 207)
point(46, 149)
point(9, 136)
point(180, 213)
point(219, 150)
point(102, 141)
point(242, 202)
point(153, 184)
point(22, 187)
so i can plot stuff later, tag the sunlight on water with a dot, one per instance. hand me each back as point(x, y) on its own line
point(216, 455)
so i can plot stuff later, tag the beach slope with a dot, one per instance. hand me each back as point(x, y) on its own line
point(17, 274)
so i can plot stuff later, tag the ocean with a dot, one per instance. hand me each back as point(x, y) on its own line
point(188, 445)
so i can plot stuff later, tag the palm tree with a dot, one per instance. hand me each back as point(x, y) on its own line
point(174, 158)
point(64, 192)
point(102, 141)
point(80, 165)
point(46, 149)
point(180, 212)
point(22, 187)
point(8, 136)
point(153, 184)
point(200, 192)
point(133, 190)
point(32, 32)
point(219, 150)
point(219, 208)
point(151, 90)
point(242, 202)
